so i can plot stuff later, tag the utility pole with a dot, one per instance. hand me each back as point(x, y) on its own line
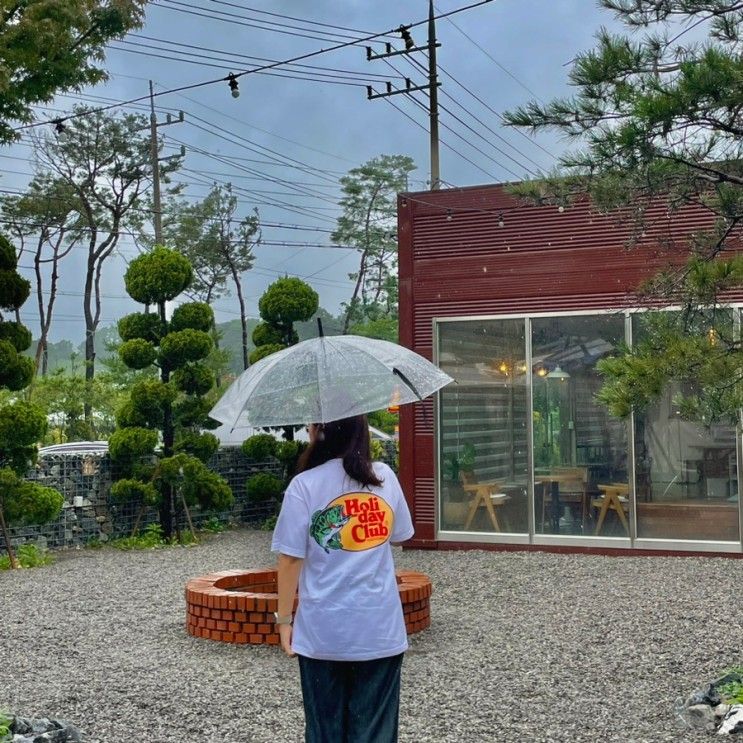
point(431, 86)
point(433, 94)
point(155, 163)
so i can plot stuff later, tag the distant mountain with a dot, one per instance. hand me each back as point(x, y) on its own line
point(65, 355)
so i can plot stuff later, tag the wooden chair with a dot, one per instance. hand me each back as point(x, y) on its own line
point(616, 498)
point(485, 495)
point(573, 488)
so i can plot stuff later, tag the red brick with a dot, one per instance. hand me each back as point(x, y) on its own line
point(221, 625)
point(272, 639)
point(211, 624)
point(240, 638)
point(227, 636)
point(256, 639)
point(234, 627)
point(264, 629)
point(248, 628)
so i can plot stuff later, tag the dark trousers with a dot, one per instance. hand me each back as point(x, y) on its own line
point(351, 701)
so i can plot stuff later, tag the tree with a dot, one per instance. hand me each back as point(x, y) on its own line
point(62, 395)
point(45, 222)
point(49, 47)
point(104, 162)
point(368, 223)
point(219, 246)
point(661, 119)
point(172, 407)
point(22, 424)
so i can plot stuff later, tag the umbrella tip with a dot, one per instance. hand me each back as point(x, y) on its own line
point(320, 334)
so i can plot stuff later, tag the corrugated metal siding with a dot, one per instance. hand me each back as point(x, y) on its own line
point(542, 228)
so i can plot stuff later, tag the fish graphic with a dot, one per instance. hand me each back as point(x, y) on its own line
point(325, 527)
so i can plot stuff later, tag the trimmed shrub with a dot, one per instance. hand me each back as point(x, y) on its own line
point(182, 346)
point(16, 334)
point(158, 276)
point(260, 447)
point(193, 316)
point(144, 325)
point(199, 445)
point(14, 290)
point(288, 300)
point(134, 490)
point(193, 379)
point(262, 351)
point(137, 353)
point(263, 486)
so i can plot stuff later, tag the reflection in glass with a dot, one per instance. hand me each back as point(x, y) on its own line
point(685, 473)
point(580, 452)
point(483, 438)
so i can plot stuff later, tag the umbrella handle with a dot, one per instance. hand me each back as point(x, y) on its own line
point(320, 334)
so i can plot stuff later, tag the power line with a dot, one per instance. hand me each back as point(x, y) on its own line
point(189, 60)
point(235, 19)
point(496, 113)
point(91, 98)
point(277, 136)
point(416, 63)
point(255, 70)
point(485, 139)
point(446, 144)
point(288, 17)
point(251, 146)
point(494, 60)
point(236, 55)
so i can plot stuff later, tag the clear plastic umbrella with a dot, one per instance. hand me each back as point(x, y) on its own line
point(325, 379)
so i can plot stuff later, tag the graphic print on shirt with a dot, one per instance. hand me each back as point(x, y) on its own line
point(325, 526)
point(353, 522)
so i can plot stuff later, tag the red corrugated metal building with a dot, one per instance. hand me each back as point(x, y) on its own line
point(518, 302)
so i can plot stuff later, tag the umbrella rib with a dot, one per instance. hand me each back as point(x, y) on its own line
point(406, 381)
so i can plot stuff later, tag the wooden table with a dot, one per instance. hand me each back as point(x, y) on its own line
point(551, 483)
point(613, 493)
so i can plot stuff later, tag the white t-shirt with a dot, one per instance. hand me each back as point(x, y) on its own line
point(349, 603)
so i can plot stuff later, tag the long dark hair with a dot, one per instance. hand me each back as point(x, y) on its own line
point(347, 438)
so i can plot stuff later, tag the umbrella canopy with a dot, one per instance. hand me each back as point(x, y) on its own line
point(325, 379)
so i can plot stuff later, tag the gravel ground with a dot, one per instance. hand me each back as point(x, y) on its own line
point(522, 647)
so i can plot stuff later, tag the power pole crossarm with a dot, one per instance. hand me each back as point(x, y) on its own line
point(431, 87)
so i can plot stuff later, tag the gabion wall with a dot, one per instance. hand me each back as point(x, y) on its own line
point(89, 514)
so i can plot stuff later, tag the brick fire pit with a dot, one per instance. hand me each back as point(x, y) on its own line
point(237, 605)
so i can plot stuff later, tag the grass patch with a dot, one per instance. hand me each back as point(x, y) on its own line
point(5, 721)
point(150, 538)
point(732, 691)
point(28, 556)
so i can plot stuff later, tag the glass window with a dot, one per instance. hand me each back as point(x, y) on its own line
point(580, 451)
point(483, 433)
point(686, 474)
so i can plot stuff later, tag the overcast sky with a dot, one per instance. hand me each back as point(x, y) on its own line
point(503, 53)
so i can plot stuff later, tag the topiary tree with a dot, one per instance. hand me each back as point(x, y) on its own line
point(285, 302)
point(21, 424)
point(170, 407)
